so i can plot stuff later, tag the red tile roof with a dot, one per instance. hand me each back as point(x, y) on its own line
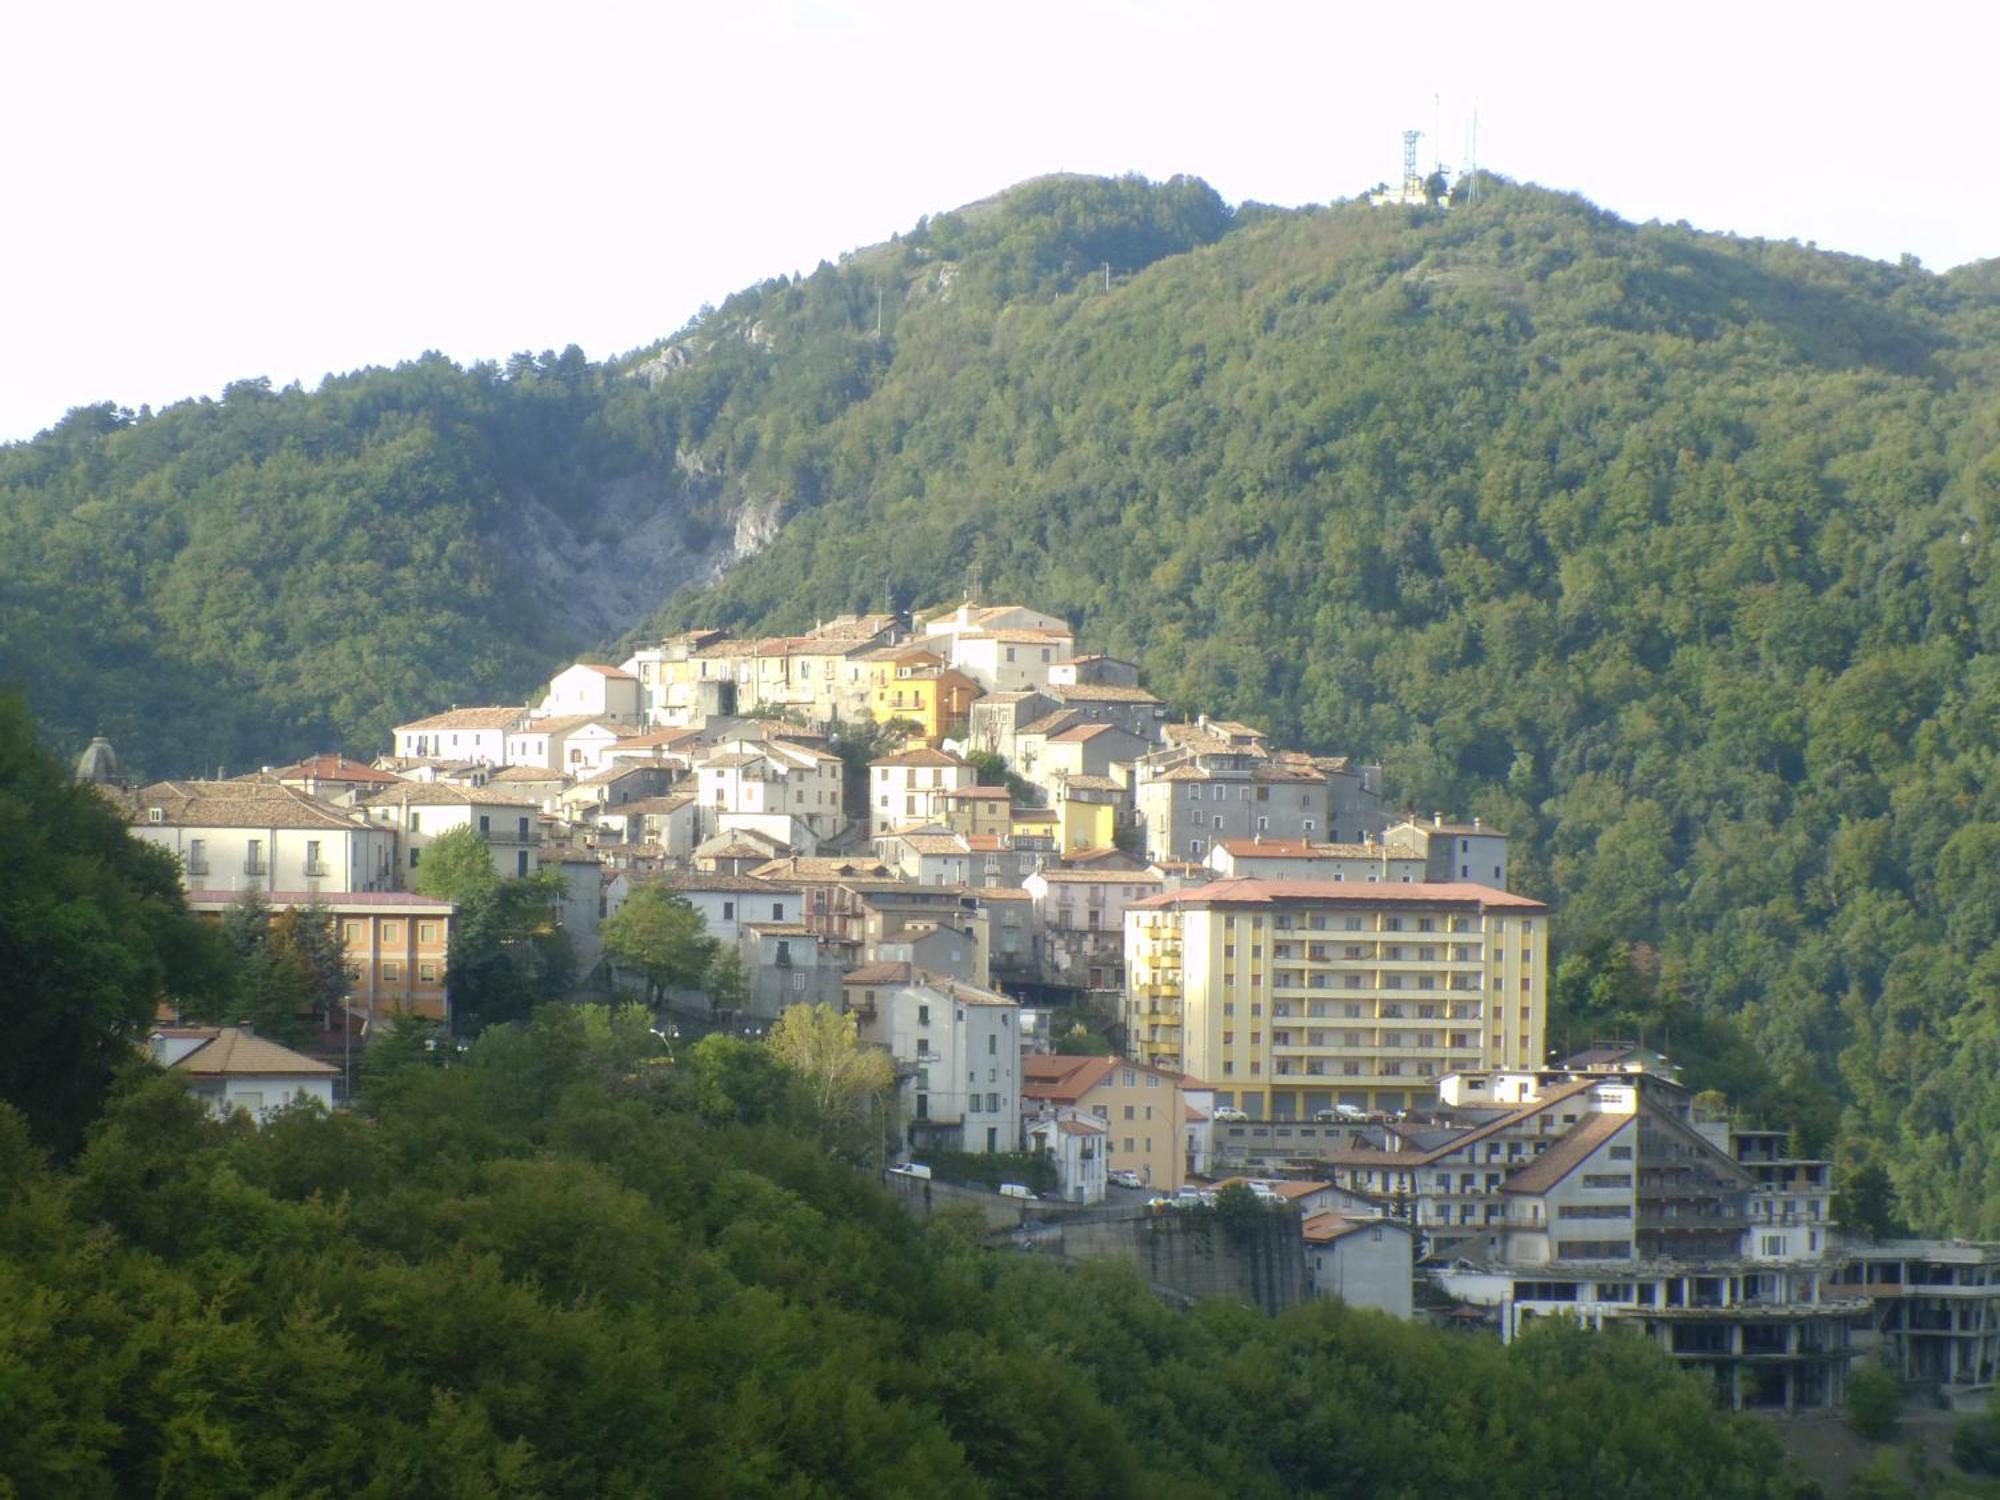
point(1248, 892)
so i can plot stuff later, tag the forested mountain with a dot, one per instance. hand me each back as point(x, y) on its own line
point(1669, 553)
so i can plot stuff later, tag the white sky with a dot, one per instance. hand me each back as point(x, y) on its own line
point(202, 193)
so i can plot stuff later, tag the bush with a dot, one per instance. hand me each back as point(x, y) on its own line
point(1874, 1402)
point(1975, 1446)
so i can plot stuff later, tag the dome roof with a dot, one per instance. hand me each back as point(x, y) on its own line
point(99, 763)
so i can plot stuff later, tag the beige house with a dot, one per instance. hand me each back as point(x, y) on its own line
point(910, 787)
point(1142, 1108)
point(418, 814)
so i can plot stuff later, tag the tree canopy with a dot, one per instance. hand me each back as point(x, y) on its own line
point(566, 1265)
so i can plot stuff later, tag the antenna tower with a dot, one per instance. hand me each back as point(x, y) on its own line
point(1413, 185)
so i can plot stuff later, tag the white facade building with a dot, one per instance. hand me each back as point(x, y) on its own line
point(957, 1050)
point(245, 835)
point(596, 691)
point(463, 734)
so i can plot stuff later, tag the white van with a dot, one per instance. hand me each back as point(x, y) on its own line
point(1014, 1190)
point(912, 1169)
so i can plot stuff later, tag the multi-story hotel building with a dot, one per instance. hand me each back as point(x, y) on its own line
point(1294, 996)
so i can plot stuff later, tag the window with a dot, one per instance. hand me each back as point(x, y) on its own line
point(1129, 1112)
point(992, 1044)
point(427, 972)
point(414, 853)
point(923, 1013)
point(392, 971)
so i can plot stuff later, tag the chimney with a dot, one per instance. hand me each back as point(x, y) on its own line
point(1437, 820)
point(1475, 822)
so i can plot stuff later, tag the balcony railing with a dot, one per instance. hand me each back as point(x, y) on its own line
point(256, 867)
point(197, 866)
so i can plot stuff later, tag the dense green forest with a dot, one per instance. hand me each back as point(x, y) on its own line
point(1670, 553)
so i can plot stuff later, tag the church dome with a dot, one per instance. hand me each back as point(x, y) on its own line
point(99, 763)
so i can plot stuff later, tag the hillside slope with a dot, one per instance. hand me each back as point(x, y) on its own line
point(1669, 553)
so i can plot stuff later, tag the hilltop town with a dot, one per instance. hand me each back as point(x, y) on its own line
point(1152, 955)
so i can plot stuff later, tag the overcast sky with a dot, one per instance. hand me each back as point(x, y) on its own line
point(206, 192)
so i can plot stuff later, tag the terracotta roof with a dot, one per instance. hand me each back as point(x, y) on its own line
point(673, 803)
point(403, 902)
point(999, 893)
point(1325, 1228)
point(907, 973)
point(1250, 892)
point(235, 804)
point(335, 767)
point(529, 774)
point(1063, 1079)
point(442, 794)
point(1099, 877)
point(1051, 723)
point(932, 843)
point(233, 1052)
point(919, 757)
point(1566, 1155)
point(1082, 1127)
point(1029, 634)
point(1274, 848)
point(556, 724)
point(469, 718)
point(616, 673)
point(746, 885)
point(824, 868)
point(1081, 783)
point(1099, 692)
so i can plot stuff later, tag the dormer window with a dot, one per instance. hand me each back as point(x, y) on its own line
point(156, 815)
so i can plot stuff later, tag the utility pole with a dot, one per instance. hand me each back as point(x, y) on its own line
point(878, 312)
point(1107, 276)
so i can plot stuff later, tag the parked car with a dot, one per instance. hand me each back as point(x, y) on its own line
point(1194, 1197)
point(1340, 1114)
point(1229, 1116)
point(1121, 1177)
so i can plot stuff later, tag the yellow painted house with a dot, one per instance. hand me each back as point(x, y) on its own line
point(908, 682)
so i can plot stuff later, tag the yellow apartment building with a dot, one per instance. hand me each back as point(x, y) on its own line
point(1293, 996)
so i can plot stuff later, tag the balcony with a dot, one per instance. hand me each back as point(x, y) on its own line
point(256, 867)
point(317, 869)
point(196, 866)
